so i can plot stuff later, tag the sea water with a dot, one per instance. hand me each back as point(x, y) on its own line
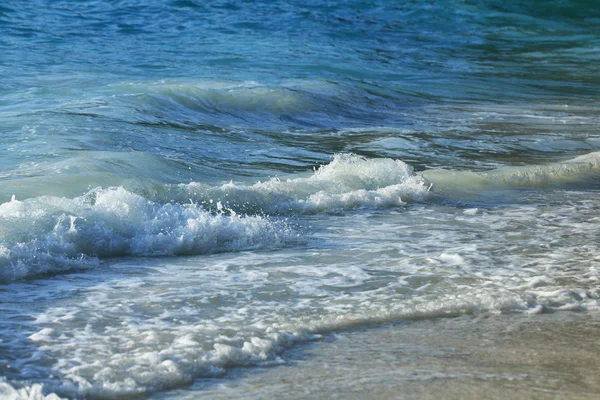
point(188, 188)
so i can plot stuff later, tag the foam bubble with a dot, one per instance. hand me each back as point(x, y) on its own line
point(452, 259)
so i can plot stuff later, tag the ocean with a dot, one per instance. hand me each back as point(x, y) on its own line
point(299, 199)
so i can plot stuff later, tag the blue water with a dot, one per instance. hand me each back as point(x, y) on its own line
point(187, 187)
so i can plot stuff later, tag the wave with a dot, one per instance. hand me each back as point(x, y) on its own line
point(185, 102)
point(162, 351)
point(355, 182)
point(49, 234)
point(76, 175)
point(582, 171)
point(348, 182)
point(214, 105)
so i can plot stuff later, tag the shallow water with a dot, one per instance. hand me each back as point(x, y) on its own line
point(490, 357)
point(187, 189)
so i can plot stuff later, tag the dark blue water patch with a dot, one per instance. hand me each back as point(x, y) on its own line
point(442, 49)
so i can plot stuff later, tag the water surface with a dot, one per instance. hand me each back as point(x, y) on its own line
point(190, 188)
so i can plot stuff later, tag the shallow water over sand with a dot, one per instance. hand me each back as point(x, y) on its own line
point(493, 357)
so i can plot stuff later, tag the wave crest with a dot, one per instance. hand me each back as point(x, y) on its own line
point(348, 182)
point(52, 234)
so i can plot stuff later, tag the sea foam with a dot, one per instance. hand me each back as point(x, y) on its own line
point(348, 182)
point(33, 392)
point(51, 234)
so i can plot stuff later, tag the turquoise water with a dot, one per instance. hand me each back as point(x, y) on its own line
point(190, 187)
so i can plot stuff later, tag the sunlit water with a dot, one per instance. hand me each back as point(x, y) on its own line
point(187, 188)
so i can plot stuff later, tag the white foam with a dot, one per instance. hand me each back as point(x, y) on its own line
point(51, 234)
point(452, 259)
point(33, 392)
point(348, 182)
point(199, 320)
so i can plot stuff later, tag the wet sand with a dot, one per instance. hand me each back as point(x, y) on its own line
point(549, 356)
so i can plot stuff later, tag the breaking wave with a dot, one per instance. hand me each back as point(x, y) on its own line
point(49, 234)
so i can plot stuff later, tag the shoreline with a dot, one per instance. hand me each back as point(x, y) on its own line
point(547, 356)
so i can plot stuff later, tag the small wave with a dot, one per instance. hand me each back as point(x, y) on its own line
point(51, 234)
point(160, 352)
point(215, 105)
point(348, 182)
point(582, 171)
point(76, 175)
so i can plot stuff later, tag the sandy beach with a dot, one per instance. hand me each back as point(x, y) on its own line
point(549, 356)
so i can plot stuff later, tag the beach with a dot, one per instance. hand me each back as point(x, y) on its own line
point(545, 356)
